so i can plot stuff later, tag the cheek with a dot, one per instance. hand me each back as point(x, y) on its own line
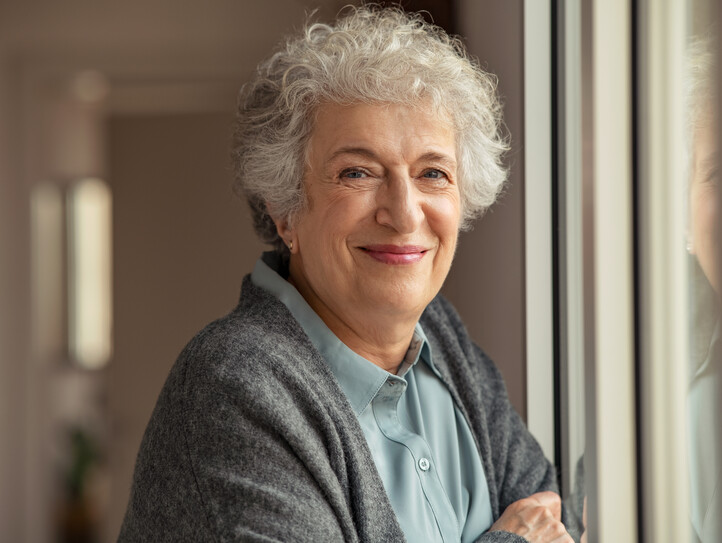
point(444, 216)
point(347, 213)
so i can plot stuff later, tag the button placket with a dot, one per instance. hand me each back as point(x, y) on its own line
point(386, 412)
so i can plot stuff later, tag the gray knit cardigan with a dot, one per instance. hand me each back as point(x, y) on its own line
point(252, 438)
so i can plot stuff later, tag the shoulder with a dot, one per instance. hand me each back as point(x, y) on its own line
point(246, 404)
point(260, 323)
point(257, 350)
point(453, 346)
point(441, 321)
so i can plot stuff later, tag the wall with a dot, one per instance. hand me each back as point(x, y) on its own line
point(14, 317)
point(486, 282)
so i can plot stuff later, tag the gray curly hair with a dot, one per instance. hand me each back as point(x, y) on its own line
point(369, 55)
point(700, 81)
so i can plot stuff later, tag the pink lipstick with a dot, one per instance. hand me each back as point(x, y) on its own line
point(395, 254)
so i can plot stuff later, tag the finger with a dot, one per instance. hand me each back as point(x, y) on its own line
point(551, 501)
point(558, 534)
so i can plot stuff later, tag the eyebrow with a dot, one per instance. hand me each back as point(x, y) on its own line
point(368, 153)
point(430, 156)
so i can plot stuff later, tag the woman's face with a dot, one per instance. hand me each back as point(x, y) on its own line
point(704, 203)
point(379, 232)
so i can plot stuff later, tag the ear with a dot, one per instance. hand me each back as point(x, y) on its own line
point(689, 237)
point(284, 229)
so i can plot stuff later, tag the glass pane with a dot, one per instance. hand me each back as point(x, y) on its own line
point(704, 281)
point(677, 280)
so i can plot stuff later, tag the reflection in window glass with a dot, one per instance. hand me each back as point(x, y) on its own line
point(702, 246)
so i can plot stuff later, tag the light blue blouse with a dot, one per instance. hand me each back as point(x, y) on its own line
point(704, 455)
point(420, 442)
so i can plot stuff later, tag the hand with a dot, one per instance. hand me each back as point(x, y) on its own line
point(537, 518)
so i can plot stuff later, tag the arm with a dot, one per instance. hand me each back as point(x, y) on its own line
point(221, 460)
point(536, 518)
point(515, 466)
point(575, 505)
point(530, 507)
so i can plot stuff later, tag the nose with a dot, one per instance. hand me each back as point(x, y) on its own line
point(399, 204)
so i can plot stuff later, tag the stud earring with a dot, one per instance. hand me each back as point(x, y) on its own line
point(290, 245)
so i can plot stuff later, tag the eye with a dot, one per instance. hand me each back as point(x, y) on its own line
point(353, 173)
point(433, 174)
point(713, 177)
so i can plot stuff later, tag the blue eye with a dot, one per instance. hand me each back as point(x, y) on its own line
point(434, 174)
point(353, 174)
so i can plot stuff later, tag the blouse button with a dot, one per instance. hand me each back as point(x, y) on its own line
point(424, 464)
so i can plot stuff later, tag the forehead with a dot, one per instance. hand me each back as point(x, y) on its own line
point(391, 127)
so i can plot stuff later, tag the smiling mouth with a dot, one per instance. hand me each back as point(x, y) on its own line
point(395, 254)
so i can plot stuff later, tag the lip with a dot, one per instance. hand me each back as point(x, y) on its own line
point(395, 254)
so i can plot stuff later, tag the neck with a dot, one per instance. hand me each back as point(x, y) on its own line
point(385, 348)
point(379, 337)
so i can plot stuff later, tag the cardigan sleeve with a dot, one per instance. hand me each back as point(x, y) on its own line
point(514, 463)
point(218, 462)
point(521, 468)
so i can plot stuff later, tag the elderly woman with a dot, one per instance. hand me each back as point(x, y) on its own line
point(343, 399)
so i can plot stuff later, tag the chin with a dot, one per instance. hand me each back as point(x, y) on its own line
point(401, 302)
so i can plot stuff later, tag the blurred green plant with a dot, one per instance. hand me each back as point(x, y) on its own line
point(84, 454)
